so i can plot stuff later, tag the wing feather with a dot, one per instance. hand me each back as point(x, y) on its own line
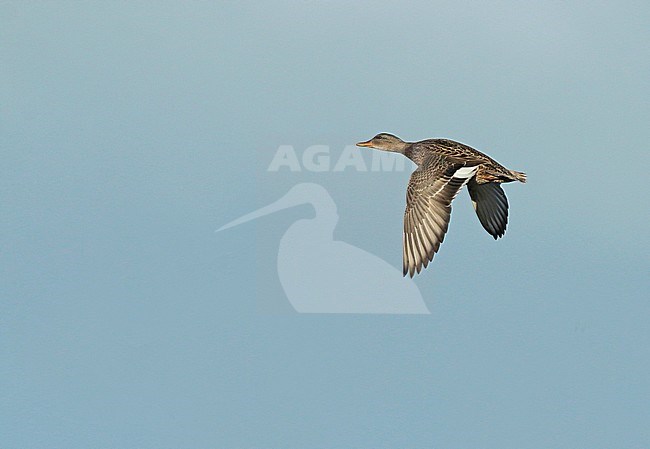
point(491, 206)
point(432, 188)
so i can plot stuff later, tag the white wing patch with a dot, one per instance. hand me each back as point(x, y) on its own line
point(465, 172)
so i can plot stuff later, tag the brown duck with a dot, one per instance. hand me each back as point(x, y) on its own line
point(444, 167)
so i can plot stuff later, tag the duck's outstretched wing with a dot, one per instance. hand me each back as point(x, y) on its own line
point(491, 206)
point(431, 189)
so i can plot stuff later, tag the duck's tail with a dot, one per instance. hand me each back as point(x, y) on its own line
point(519, 176)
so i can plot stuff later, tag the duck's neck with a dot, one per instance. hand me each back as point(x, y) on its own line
point(416, 156)
point(401, 147)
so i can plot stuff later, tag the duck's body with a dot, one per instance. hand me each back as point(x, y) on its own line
point(444, 167)
point(489, 170)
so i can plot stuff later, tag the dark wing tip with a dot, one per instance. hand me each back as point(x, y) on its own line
point(491, 207)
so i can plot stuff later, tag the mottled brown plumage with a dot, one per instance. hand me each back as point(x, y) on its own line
point(444, 167)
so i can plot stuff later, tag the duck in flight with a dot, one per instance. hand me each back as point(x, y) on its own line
point(444, 167)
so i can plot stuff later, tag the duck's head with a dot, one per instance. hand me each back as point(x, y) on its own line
point(385, 142)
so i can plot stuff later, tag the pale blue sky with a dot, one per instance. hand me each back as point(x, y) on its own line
point(131, 131)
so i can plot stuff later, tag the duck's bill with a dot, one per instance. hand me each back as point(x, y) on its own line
point(365, 144)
